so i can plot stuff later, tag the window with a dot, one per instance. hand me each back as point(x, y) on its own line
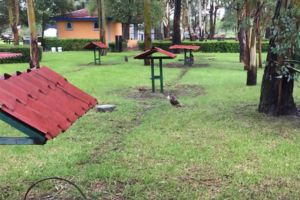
point(96, 26)
point(69, 26)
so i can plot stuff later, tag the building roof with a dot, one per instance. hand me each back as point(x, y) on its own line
point(188, 47)
point(78, 15)
point(8, 55)
point(148, 54)
point(43, 100)
point(94, 45)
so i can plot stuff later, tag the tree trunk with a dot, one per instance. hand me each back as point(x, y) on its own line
point(252, 70)
point(147, 28)
point(158, 32)
point(211, 20)
point(126, 27)
point(258, 33)
point(136, 27)
point(101, 20)
point(176, 24)
point(259, 50)
point(103, 25)
point(214, 21)
point(201, 32)
point(99, 17)
point(43, 29)
point(166, 21)
point(189, 20)
point(34, 49)
point(276, 93)
point(13, 13)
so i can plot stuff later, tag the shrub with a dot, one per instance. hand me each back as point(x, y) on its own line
point(24, 49)
point(67, 44)
point(207, 46)
point(74, 44)
point(112, 46)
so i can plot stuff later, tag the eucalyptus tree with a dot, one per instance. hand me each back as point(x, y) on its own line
point(79, 4)
point(126, 11)
point(147, 28)
point(3, 16)
point(176, 39)
point(46, 9)
point(282, 61)
point(215, 5)
point(166, 20)
point(99, 7)
point(13, 7)
point(34, 49)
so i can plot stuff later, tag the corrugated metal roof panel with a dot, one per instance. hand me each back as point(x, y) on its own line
point(44, 100)
point(148, 53)
point(94, 45)
point(8, 55)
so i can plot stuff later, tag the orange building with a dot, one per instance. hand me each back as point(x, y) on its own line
point(80, 24)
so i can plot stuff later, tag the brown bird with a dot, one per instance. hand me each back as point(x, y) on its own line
point(142, 89)
point(173, 100)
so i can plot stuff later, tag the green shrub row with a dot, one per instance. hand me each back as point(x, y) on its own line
point(112, 46)
point(74, 44)
point(24, 49)
point(207, 46)
point(67, 44)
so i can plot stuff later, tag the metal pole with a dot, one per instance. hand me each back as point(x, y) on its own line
point(152, 75)
point(95, 56)
point(191, 61)
point(99, 56)
point(185, 57)
point(161, 76)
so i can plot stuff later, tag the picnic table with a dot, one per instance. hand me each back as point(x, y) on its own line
point(188, 59)
point(7, 39)
point(96, 46)
point(151, 54)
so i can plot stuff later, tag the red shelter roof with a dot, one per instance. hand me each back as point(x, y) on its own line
point(188, 47)
point(148, 54)
point(43, 100)
point(94, 45)
point(8, 55)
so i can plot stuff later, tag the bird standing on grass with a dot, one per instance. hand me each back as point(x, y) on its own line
point(173, 101)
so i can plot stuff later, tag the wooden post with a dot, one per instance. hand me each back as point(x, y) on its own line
point(34, 49)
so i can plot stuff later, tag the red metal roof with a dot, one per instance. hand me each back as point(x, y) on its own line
point(148, 53)
point(188, 47)
point(44, 100)
point(93, 45)
point(8, 55)
point(82, 13)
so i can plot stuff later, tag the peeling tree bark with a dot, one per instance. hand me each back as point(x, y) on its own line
point(13, 14)
point(176, 23)
point(147, 28)
point(276, 93)
point(34, 48)
point(189, 21)
point(101, 20)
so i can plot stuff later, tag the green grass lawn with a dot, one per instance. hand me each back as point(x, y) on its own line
point(217, 146)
